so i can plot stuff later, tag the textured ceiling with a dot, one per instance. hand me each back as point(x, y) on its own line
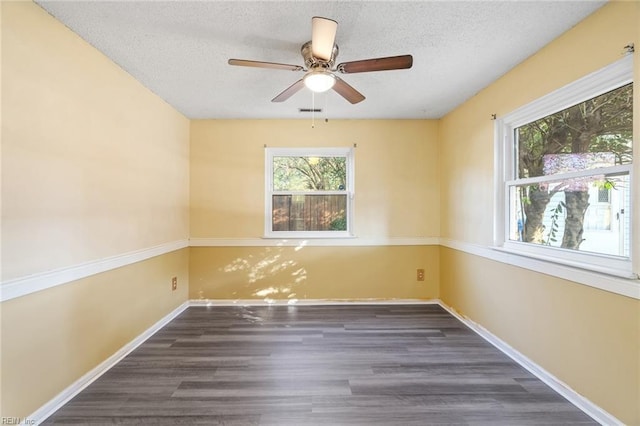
point(179, 49)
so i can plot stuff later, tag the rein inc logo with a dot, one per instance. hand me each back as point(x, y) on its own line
point(16, 421)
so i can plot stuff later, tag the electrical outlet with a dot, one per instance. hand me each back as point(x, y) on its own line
point(420, 274)
point(174, 283)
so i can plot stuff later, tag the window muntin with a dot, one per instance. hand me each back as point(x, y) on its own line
point(590, 138)
point(565, 162)
point(309, 192)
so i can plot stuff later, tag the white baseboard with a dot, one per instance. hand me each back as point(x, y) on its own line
point(588, 407)
point(312, 302)
point(75, 388)
point(582, 403)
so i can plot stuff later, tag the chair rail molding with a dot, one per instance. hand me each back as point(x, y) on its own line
point(23, 286)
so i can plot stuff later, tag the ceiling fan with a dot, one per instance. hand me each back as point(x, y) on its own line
point(319, 57)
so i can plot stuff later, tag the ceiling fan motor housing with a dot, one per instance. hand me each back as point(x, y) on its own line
point(314, 63)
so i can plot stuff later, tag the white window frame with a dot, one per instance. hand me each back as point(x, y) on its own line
point(270, 153)
point(602, 81)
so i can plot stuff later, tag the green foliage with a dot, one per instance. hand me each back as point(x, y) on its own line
point(555, 218)
point(339, 224)
point(309, 173)
point(619, 144)
point(601, 124)
point(605, 184)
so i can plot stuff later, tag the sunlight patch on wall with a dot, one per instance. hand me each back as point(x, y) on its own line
point(269, 265)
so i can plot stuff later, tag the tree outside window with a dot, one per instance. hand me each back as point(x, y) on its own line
point(309, 191)
point(591, 137)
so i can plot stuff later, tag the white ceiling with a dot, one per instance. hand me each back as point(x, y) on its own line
point(179, 49)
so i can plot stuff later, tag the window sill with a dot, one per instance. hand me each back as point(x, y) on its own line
point(582, 266)
point(601, 263)
point(308, 236)
point(617, 281)
point(352, 241)
point(628, 286)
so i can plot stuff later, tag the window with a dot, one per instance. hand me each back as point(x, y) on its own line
point(564, 174)
point(309, 192)
point(604, 195)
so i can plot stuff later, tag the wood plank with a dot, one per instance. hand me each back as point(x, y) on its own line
point(318, 365)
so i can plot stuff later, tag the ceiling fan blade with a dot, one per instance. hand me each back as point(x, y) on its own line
point(347, 92)
point(377, 64)
point(258, 64)
point(289, 91)
point(323, 36)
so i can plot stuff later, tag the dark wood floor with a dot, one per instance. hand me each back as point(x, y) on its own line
point(325, 365)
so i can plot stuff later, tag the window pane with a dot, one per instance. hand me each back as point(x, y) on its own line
point(594, 133)
point(309, 213)
point(309, 173)
point(574, 214)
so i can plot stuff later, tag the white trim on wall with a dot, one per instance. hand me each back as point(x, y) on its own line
point(606, 79)
point(588, 407)
point(23, 286)
point(76, 387)
point(347, 153)
point(309, 302)
point(622, 286)
point(314, 242)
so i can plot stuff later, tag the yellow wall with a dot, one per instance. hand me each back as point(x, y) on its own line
point(52, 338)
point(93, 165)
point(466, 134)
point(396, 186)
point(376, 272)
point(396, 168)
point(588, 338)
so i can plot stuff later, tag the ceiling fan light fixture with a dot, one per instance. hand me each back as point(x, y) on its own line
point(319, 81)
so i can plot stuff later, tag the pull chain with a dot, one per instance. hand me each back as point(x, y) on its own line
point(326, 101)
point(313, 109)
